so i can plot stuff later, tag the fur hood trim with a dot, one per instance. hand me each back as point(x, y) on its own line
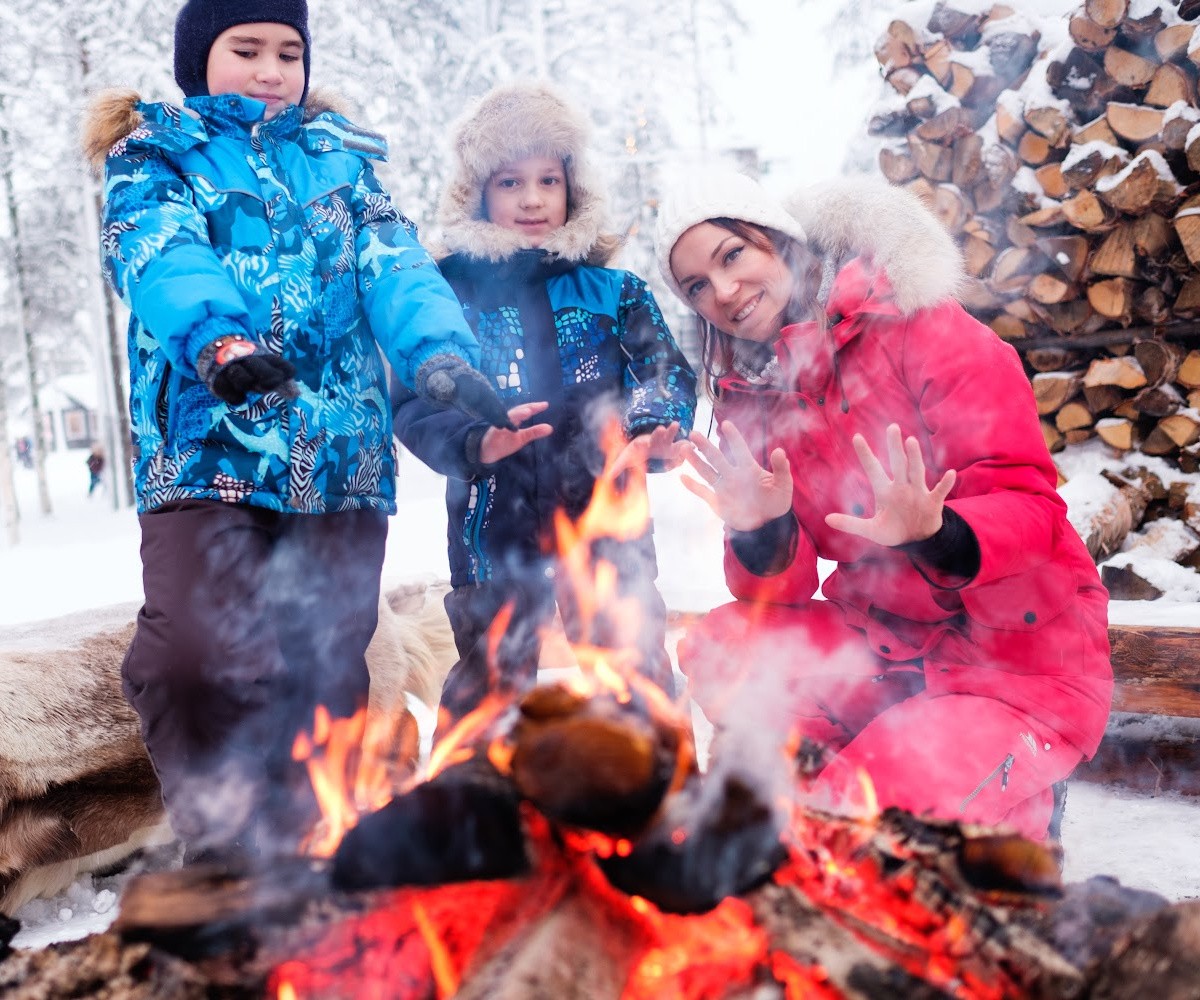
point(889, 225)
point(511, 122)
point(113, 114)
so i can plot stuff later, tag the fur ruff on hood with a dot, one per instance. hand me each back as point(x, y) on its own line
point(838, 220)
point(889, 225)
point(512, 122)
point(113, 114)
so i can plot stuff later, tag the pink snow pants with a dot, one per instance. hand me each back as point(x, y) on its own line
point(802, 672)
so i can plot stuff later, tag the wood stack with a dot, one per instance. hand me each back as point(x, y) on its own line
point(1065, 156)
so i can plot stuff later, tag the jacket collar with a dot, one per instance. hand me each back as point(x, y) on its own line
point(521, 266)
point(807, 349)
point(117, 116)
point(233, 114)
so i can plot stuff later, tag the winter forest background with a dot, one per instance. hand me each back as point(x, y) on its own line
point(782, 88)
point(667, 84)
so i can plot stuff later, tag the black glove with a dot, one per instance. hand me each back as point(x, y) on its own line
point(232, 367)
point(447, 379)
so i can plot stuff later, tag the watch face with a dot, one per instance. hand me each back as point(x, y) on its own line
point(234, 349)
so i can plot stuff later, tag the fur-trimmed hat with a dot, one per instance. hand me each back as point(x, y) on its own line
point(511, 122)
point(837, 220)
point(715, 193)
point(200, 22)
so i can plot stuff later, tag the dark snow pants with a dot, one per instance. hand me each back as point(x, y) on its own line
point(633, 619)
point(252, 619)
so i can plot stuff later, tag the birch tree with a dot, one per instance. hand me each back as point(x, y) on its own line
point(408, 68)
point(22, 313)
point(9, 511)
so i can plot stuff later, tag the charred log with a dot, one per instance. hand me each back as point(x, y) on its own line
point(895, 907)
point(707, 844)
point(463, 824)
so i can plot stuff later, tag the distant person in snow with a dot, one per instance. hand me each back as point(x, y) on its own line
point(960, 659)
point(568, 342)
point(265, 269)
point(95, 467)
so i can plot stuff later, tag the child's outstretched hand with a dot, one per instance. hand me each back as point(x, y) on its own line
point(906, 510)
point(656, 451)
point(498, 443)
point(740, 491)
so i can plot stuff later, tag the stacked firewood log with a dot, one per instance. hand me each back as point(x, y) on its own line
point(1064, 154)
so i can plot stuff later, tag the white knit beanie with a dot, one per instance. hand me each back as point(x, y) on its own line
point(715, 193)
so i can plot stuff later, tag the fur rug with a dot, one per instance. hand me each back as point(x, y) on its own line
point(77, 790)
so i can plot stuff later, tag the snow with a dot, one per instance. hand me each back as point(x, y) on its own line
point(1081, 151)
point(85, 555)
point(1151, 156)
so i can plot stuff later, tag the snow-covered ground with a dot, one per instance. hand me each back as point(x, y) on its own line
point(85, 555)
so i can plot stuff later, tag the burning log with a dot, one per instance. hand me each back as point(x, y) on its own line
point(602, 765)
point(691, 884)
point(879, 908)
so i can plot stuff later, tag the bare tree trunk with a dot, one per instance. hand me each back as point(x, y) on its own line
point(110, 359)
point(8, 486)
point(122, 451)
point(21, 314)
point(109, 353)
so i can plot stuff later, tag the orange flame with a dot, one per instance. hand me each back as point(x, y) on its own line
point(870, 799)
point(619, 509)
point(444, 973)
point(352, 767)
point(696, 957)
point(417, 943)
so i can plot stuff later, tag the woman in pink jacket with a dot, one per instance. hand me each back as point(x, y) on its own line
point(960, 657)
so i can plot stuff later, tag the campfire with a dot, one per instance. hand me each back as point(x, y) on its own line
point(567, 843)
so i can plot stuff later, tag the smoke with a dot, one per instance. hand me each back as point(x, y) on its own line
point(282, 611)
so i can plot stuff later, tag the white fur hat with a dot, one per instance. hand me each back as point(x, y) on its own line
point(513, 121)
point(715, 193)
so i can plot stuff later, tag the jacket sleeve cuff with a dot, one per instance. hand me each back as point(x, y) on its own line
point(211, 330)
point(471, 447)
point(767, 550)
point(949, 559)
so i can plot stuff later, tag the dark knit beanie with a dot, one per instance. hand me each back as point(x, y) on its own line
point(201, 21)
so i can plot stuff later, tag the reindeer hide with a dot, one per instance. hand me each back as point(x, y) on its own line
point(77, 789)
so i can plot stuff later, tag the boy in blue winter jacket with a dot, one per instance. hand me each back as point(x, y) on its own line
point(265, 268)
point(565, 339)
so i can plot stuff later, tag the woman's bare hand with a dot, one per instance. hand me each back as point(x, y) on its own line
point(740, 491)
point(906, 510)
point(498, 443)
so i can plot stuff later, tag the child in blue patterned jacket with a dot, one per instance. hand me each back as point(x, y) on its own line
point(566, 340)
point(265, 269)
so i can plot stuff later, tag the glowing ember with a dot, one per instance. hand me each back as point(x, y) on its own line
point(803, 982)
point(440, 960)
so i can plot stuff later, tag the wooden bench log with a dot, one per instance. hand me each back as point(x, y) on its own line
point(1157, 669)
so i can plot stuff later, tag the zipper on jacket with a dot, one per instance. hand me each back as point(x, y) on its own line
point(1001, 769)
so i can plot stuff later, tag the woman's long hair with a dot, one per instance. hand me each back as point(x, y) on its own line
point(718, 349)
